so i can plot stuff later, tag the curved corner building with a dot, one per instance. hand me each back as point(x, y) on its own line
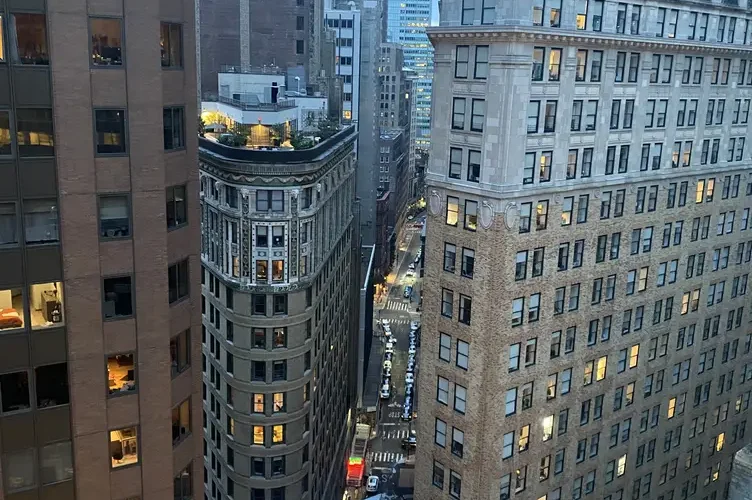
point(588, 251)
point(277, 297)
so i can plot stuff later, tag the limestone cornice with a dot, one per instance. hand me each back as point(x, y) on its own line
point(516, 34)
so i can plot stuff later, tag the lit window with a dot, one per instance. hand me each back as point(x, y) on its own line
point(106, 41)
point(621, 465)
point(258, 404)
point(46, 304)
point(11, 309)
point(121, 374)
point(124, 447)
point(548, 427)
point(258, 434)
point(181, 421)
point(278, 434)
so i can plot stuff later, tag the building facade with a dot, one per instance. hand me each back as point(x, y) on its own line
point(281, 288)
point(248, 34)
point(588, 251)
point(406, 25)
point(346, 27)
point(99, 242)
point(394, 93)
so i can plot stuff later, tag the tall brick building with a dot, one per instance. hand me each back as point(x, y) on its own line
point(587, 314)
point(99, 236)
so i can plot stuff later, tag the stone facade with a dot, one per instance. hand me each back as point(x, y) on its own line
point(572, 345)
point(279, 293)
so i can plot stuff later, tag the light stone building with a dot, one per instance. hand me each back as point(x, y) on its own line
point(281, 292)
point(587, 316)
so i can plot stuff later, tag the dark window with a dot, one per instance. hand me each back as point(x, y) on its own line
point(40, 221)
point(175, 199)
point(117, 296)
point(110, 131)
point(299, 47)
point(259, 338)
point(8, 224)
point(31, 38)
point(52, 385)
point(280, 304)
point(300, 23)
point(259, 304)
point(174, 126)
point(106, 41)
point(34, 132)
point(171, 43)
point(183, 483)
point(278, 493)
point(178, 280)
point(114, 216)
point(278, 466)
point(279, 370)
point(258, 373)
point(180, 352)
point(258, 469)
point(14, 391)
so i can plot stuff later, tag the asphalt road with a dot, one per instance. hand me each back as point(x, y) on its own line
point(386, 450)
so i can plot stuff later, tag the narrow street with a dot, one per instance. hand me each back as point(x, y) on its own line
point(386, 449)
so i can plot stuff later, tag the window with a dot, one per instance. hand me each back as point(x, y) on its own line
point(465, 309)
point(450, 256)
point(56, 462)
point(273, 200)
point(175, 204)
point(279, 370)
point(468, 262)
point(462, 61)
point(114, 216)
point(117, 297)
point(31, 39)
point(106, 41)
point(481, 62)
point(445, 347)
point(121, 374)
point(174, 127)
point(181, 421)
point(478, 115)
point(41, 221)
point(463, 354)
point(34, 132)
point(549, 121)
point(124, 447)
point(14, 391)
point(533, 111)
point(110, 131)
point(471, 215)
point(458, 113)
point(180, 352)
point(440, 433)
point(554, 64)
point(455, 485)
point(438, 475)
point(178, 280)
point(447, 299)
point(458, 442)
point(452, 211)
point(278, 434)
point(171, 44)
point(538, 56)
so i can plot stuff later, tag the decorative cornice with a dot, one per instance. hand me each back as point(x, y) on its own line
point(515, 34)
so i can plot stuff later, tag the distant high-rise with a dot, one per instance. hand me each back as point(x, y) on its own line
point(406, 25)
point(587, 310)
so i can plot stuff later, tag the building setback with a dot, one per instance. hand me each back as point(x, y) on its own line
point(99, 230)
point(281, 294)
point(588, 251)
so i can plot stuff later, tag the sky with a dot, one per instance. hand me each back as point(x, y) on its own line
point(434, 12)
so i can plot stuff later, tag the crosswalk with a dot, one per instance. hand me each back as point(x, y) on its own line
point(397, 305)
point(395, 434)
point(401, 321)
point(384, 457)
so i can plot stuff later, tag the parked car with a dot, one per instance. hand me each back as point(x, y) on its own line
point(389, 350)
point(385, 391)
point(385, 323)
point(414, 325)
point(412, 265)
point(409, 378)
point(412, 349)
point(408, 291)
point(372, 485)
point(407, 414)
point(410, 273)
point(389, 344)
